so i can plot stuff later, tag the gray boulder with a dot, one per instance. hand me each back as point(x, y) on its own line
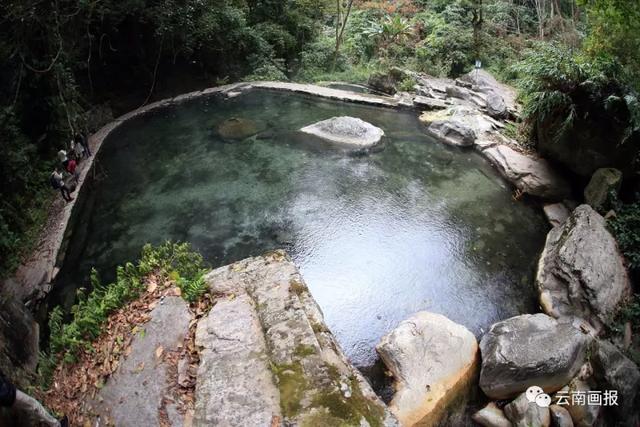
point(458, 92)
point(560, 417)
point(581, 272)
point(427, 103)
point(530, 350)
point(583, 415)
point(491, 416)
point(452, 132)
point(530, 174)
point(434, 362)
point(556, 213)
point(603, 182)
point(19, 333)
point(387, 82)
point(613, 371)
point(523, 413)
point(496, 107)
point(345, 130)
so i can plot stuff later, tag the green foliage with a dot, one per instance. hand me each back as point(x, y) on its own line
point(614, 34)
point(58, 58)
point(559, 84)
point(176, 261)
point(626, 229)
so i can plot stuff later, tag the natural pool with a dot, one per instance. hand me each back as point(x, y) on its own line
point(377, 237)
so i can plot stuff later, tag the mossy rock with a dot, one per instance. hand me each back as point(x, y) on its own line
point(237, 128)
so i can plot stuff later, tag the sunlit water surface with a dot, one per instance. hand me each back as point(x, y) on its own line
point(416, 226)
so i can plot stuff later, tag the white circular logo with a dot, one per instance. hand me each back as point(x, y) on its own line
point(533, 392)
point(543, 400)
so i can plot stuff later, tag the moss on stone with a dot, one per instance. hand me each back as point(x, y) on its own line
point(319, 327)
point(297, 287)
point(304, 350)
point(292, 385)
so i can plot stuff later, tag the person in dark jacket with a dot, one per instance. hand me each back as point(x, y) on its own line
point(26, 406)
point(81, 138)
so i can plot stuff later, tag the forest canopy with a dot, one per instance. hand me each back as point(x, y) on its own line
point(62, 59)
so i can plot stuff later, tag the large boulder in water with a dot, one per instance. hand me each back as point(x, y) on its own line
point(237, 128)
point(603, 182)
point(345, 130)
point(581, 272)
point(530, 350)
point(434, 363)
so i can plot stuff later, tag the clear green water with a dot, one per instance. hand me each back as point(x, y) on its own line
point(417, 226)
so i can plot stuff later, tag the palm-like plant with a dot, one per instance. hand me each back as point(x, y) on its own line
point(390, 30)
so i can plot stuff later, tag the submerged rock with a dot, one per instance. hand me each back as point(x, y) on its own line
point(531, 175)
point(346, 130)
point(581, 272)
point(603, 183)
point(237, 128)
point(433, 361)
point(530, 350)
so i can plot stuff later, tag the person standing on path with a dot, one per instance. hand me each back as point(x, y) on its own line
point(81, 138)
point(57, 182)
point(26, 406)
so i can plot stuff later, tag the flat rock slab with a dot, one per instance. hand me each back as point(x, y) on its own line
point(345, 130)
point(235, 385)
point(434, 362)
point(133, 395)
point(268, 358)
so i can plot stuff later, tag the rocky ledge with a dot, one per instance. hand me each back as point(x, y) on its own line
point(267, 357)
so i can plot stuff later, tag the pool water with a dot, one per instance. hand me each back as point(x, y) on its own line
point(377, 237)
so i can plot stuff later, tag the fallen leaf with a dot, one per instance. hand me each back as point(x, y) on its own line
point(139, 368)
point(152, 286)
point(159, 352)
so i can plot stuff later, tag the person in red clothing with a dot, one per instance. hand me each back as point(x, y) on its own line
point(71, 168)
point(27, 407)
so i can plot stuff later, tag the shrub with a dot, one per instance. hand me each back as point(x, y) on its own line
point(625, 226)
point(174, 261)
